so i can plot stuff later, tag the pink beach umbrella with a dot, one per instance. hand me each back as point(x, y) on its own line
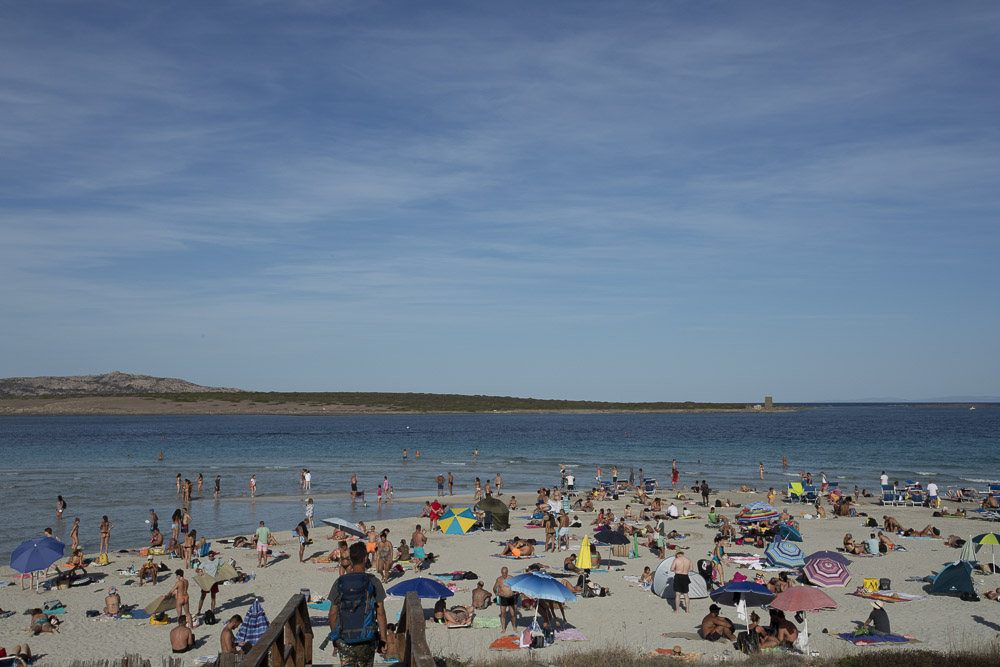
point(826, 572)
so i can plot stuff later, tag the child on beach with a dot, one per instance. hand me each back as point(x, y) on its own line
point(309, 512)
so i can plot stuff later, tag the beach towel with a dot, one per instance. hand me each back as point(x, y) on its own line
point(320, 606)
point(681, 635)
point(915, 537)
point(866, 640)
point(887, 596)
point(510, 643)
point(486, 622)
point(515, 557)
point(321, 559)
point(570, 635)
point(686, 656)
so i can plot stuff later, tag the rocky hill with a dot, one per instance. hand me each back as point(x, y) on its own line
point(107, 383)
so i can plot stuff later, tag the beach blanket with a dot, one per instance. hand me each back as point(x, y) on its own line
point(866, 640)
point(681, 635)
point(887, 596)
point(320, 606)
point(571, 635)
point(915, 537)
point(686, 656)
point(486, 622)
point(510, 643)
point(321, 559)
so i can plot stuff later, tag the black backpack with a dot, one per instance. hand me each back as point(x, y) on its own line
point(356, 620)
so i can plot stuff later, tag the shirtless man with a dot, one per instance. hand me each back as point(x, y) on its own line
point(507, 600)
point(228, 638)
point(681, 568)
point(181, 637)
point(419, 540)
point(113, 602)
point(440, 483)
point(451, 484)
point(354, 486)
point(563, 532)
point(181, 601)
point(480, 596)
point(786, 632)
point(218, 486)
point(715, 627)
point(890, 524)
point(499, 484)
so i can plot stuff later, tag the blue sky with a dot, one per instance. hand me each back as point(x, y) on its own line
point(587, 200)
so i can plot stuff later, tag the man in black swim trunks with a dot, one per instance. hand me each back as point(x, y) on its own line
point(715, 627)
point(508, 599)
point(681, 568)
point(181, 637)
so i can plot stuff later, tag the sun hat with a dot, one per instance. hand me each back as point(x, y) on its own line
point(878, 604)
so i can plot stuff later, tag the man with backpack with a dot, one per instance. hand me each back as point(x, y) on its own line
point(357, 613)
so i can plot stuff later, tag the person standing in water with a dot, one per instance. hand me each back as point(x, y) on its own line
point(253, 485)
point(60, 507)
point(218, 485)
point(74, 534)
point(354, 486)
point(762, 471)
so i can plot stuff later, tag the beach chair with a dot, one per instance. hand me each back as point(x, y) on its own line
point(888, 495)
point(808, 494)
point(205, 548)
point(995, 491)
point(832, 487)
point(915, 497)
point(795, 491)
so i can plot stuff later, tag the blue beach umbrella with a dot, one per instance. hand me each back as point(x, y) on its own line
point(424, 587)
point(254, 624)
point(541, 586)
point(789, 533)
point(753, 594)
point(36, 554)
point(784, 554)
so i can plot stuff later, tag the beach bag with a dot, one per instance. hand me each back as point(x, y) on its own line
point(356, 622)
point(870, 584)
point(209, 618)
point(884, 585)
point(156, 551)
point(871, 523)
point(102, 559)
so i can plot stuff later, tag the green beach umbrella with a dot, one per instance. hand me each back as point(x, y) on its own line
point(991, 539)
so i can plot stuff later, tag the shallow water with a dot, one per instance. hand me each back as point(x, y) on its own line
point(108, 465)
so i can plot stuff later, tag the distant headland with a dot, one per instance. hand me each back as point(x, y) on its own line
point(127, 394)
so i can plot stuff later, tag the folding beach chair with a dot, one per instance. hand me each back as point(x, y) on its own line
point(832, 487)
point(795, 491)
point(888, 495)
point(915, 497)
point(808, 494)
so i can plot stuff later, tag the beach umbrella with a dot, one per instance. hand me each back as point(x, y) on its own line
point(457, 523)
point(789, 533)
point(826, 572)
point(541, 587)
point(803, 598)
point(254, 624)
point(784, 554)
point(611, 537)
point(160, 604)
point(428, 589)
point(831, 555)
point(749, 592)
point(38, 553)
point(583, 560)
point(344, 525)
point(991, 539)
point(757, 511)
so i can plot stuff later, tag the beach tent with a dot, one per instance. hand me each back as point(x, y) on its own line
point(954, 579)
point(457, 523)
point(500, 513)
point(663, 582)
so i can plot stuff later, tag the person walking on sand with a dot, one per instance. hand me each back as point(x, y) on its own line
point(681, 568)
point(218, 484)
point(105, 528)
point(253, 485)
point(263, 536)
point(451, 484)
point(310, 510)
point(419, 539)
point(180, 591)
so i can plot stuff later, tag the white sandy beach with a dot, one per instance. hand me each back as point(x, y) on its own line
point(629, 617)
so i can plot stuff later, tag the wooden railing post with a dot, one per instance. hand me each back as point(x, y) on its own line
point(288, 640)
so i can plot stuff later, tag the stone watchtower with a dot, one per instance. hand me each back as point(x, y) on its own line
point(768, 403)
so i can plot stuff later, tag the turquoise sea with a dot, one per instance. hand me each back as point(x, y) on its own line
point(108, 465)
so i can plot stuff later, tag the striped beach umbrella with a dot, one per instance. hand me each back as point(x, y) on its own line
point(826, 573)
point(457, 523)
point(254, 624)
point(832, 555)
point(757, 511)
point(784, 554)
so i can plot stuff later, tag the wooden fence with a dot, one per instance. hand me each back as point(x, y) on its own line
point(413, 648)
point(288, 641)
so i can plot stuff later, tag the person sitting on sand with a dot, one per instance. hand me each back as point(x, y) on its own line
point(886, 542)
point(784, 630)
point(480, 596)
point(41, 623)
point(113, 602)
point(181, 637)
point(147, 571)
point(75, 562)
point(518, 548)
point(156, 538)
point(820, 512)
point(850, 547)
point(23, 651)
point(457, 615)
point(714, 627)
point(764, 638)
point(599, 520)
point(228, 639)
point(890, 524)
point(569, 565)
point(646, 579)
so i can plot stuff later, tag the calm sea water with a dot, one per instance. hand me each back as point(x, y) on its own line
point(108, 465)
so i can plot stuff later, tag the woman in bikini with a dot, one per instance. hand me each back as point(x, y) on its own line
point(189, 548)
point(383, 556)
point(74, 534)
point(105, 527)
point(40, 623)
point(850, 547)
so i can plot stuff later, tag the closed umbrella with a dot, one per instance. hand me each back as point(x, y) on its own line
point(38, 553)
point(969, 550)
point(583, 560)
point(826, 572)
point(832, 555)
point(424, 588)
point(254, 624)
point(784, 554)
point(344, 525)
